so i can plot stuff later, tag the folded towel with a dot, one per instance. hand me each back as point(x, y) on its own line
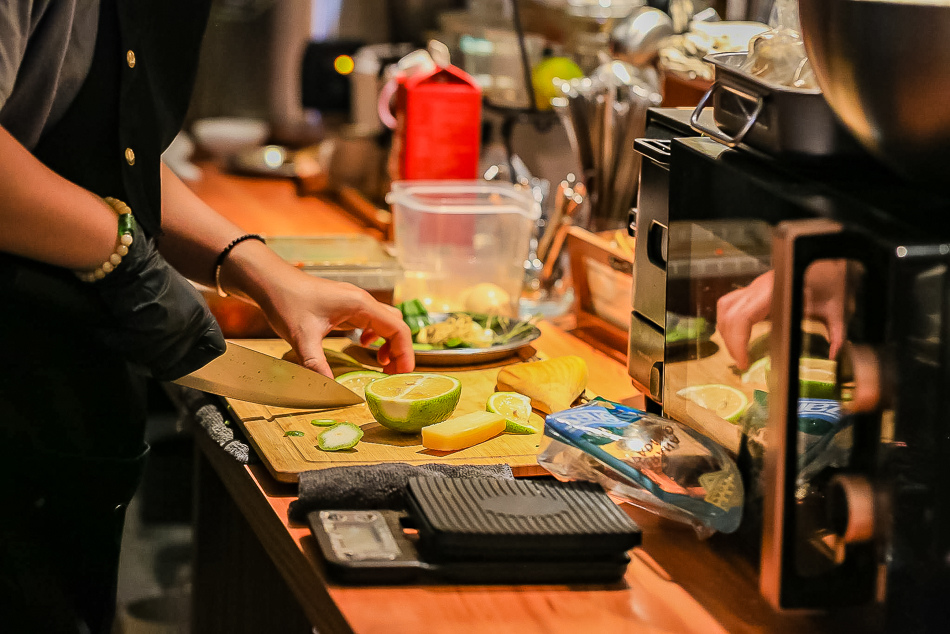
point(210, 412)
point(380, 486)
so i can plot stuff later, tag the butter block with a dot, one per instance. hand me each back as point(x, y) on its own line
point(463, 431)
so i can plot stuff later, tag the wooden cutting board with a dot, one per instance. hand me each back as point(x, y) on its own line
point(287, 456)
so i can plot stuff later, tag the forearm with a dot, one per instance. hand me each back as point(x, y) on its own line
point(194, 233)
point(194, 236)
point(47, 218)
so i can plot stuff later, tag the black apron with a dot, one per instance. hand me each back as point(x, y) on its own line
point(72, 415)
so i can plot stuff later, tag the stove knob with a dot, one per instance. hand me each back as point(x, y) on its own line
point(851, 508)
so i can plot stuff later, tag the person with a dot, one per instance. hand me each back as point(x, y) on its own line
point(96, 239)
point(825, 295)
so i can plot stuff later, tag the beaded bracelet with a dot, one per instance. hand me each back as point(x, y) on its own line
point(124, 241)
point(224, 254)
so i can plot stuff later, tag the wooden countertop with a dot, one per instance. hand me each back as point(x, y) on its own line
point(712, 588)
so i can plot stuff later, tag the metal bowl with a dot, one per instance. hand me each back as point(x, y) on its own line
point(884, 68)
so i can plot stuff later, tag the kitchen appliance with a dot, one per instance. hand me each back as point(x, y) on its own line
point(843, 425)
point(480, 530)
point(252, 376)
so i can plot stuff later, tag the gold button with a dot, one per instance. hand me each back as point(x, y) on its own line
point(130, 58)
point(130, 156)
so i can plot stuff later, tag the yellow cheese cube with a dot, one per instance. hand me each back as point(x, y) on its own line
point(464, 431)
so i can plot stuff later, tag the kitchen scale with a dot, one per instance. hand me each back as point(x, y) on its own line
point(482, 531)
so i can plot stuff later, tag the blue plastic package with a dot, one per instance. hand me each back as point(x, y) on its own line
point(654, 462)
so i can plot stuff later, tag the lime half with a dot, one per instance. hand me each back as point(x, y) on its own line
point(817, 378)
point(358, 380)
point(725, 401)
point(516, 408)
point(409, 402)
point(758, 372)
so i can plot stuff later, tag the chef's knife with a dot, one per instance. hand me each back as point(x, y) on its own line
point(248, 375)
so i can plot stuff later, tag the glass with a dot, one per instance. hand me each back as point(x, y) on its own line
point(825, 434)
point(707, 262)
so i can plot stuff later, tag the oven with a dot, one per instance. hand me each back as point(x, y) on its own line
point(799, 315)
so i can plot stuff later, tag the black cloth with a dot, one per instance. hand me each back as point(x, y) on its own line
point(381, 486)
point(72, 411)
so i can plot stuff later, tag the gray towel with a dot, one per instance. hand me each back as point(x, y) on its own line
point(210, 412)
point(210, 417)
point(380, 486)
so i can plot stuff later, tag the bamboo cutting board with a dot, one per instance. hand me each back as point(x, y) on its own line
point(287, 456)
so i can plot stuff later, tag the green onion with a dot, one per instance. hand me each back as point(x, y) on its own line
point(415, 315)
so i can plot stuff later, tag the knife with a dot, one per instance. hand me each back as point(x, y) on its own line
point(248, 375)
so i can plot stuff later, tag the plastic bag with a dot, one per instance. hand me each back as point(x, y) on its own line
point(650, 461)
point(778, 55)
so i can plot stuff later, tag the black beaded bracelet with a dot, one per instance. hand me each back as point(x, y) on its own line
point(224, 254)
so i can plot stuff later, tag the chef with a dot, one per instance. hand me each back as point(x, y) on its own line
point(95, 238)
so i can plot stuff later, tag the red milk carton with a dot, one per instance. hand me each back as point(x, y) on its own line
point(438, 131)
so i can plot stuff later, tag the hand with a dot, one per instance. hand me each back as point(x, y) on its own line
point(824, 290)
point(158, 319)
point(303, 309)
point(738, 310)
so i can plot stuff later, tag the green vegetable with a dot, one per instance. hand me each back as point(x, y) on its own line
point(415, 315)
point(517, 330)
point(423, 346)
point(455, 342)
point(293, 432)
point(338, 437)
point(324, 422)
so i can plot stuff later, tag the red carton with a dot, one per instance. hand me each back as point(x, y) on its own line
point(438, 130)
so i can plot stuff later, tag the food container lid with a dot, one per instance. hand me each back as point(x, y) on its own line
point(464, 197)
point(343, 252)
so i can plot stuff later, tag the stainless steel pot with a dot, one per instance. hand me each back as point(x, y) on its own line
point(884, 68)
point(793, 124)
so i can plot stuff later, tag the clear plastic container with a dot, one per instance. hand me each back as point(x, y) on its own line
point(451, 236)
point(357, 259)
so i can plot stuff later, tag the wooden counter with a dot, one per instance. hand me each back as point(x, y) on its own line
point(257, 572)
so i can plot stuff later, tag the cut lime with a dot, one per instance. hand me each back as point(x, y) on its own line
point(817, 378)
point(358, 380)
point(409, 402)
point(725, 401)
point(758, 372)
point(339, 437)
point(516, 408)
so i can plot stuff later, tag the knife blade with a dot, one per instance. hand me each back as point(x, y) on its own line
point(248, 375)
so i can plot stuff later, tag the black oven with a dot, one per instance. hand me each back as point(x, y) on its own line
point(800, 316)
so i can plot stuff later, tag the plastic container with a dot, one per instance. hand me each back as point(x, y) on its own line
point(453, 235)
point(357, 259)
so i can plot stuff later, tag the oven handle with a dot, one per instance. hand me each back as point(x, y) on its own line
point(715, 132)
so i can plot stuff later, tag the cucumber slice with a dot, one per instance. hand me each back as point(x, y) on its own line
point(338, 437)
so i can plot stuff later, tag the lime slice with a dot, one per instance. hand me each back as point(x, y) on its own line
point(516, 408)
point(339, 437)
point(817, 378)
point(357, 381)
point(409, 402)
point(725, 401)
point(758, 372)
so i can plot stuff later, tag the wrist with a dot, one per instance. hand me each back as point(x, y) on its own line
point(243, 268)
point(122, 240)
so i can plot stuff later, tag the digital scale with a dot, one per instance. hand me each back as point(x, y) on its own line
point(482, 531)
